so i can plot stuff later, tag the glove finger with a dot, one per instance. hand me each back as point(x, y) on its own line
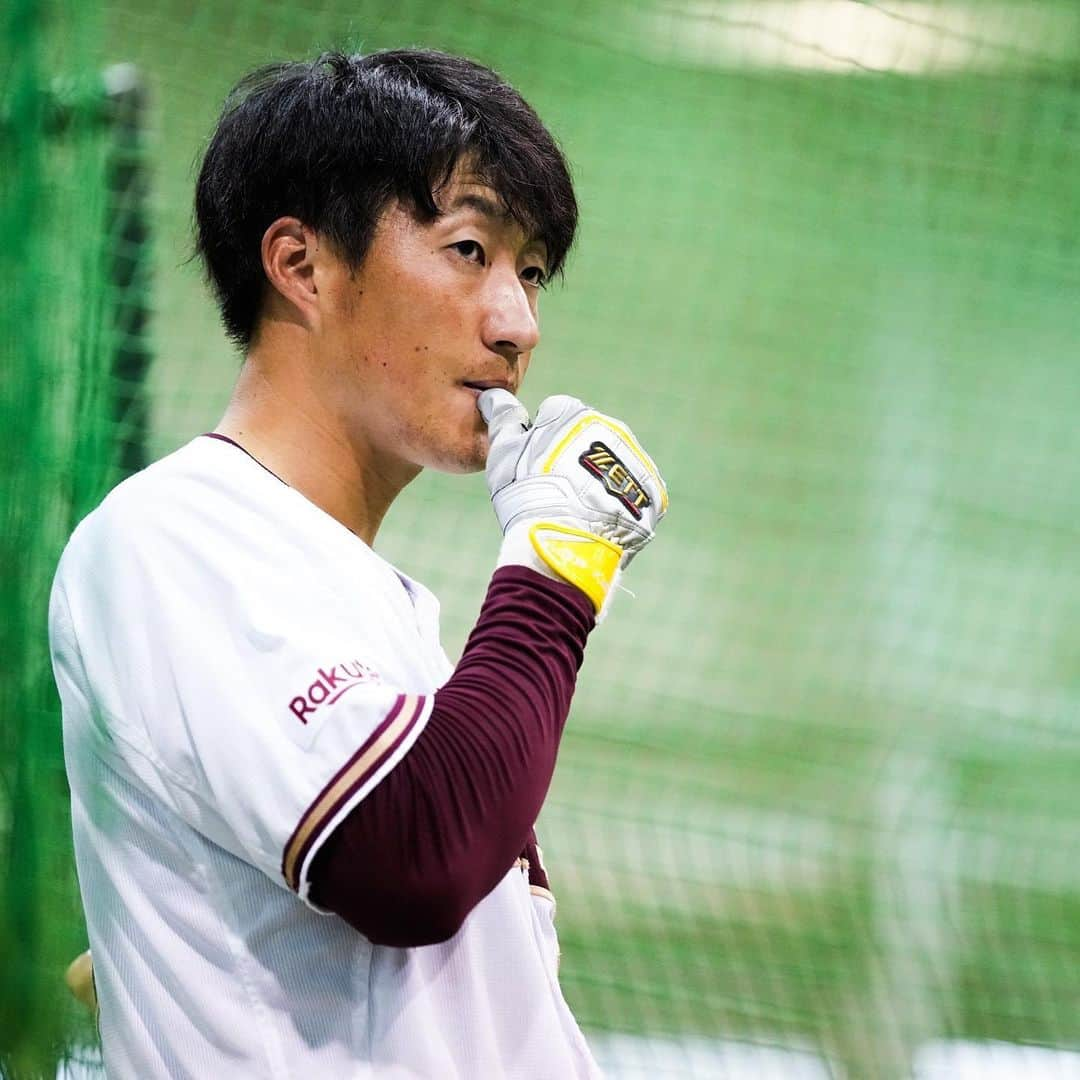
point(557, 407)
point(502, 412)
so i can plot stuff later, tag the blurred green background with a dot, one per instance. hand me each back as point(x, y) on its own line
point(818, 794)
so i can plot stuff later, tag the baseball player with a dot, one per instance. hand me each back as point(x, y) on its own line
point(304, 839)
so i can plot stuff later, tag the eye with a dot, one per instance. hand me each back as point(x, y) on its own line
point(535, 276)
point(471, 250)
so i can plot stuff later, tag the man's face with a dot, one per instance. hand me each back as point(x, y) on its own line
point(436, 313)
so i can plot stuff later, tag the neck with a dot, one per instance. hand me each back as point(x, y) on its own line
point(277, 415)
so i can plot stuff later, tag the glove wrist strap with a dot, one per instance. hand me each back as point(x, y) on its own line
point(565, 553)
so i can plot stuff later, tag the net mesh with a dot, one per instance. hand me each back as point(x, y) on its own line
point(815, 812)
point(55, 459)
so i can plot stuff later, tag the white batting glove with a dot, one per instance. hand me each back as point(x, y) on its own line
point(576, 496)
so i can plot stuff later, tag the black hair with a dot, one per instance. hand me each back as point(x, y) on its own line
point(336, 140)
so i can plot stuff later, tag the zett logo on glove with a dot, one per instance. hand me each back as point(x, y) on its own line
point(616, 478)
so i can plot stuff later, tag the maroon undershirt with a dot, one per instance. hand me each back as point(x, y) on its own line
point(440, 831)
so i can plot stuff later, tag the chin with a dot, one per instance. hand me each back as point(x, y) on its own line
point(469, 457)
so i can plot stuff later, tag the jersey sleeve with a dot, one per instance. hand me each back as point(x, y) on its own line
point(258, 695)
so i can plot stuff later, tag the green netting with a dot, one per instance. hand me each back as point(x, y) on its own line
point(56, 448)
point(816, 808)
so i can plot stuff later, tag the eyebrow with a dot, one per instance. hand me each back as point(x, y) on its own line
point(483, 205)
point(489, 208)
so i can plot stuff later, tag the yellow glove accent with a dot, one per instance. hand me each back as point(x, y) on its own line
point(584, 559)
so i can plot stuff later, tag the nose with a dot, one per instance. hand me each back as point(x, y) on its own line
point(510, 324)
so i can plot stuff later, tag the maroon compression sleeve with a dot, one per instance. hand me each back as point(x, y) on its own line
point(439, 832)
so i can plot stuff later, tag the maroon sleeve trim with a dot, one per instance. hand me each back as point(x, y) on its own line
point(352, 776)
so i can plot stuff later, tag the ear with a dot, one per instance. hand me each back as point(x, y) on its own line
point(288, 259)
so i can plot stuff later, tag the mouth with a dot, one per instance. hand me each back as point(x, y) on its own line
point(478, 386)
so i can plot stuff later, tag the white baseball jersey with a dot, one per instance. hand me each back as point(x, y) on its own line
point(237, 671)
